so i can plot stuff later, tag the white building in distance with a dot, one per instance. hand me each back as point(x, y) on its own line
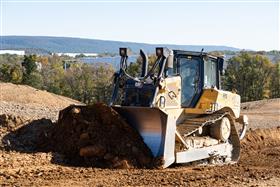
point(39, 66)
point(76, 54)
point(12, 52)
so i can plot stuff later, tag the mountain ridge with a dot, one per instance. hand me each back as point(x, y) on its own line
point(56, 44)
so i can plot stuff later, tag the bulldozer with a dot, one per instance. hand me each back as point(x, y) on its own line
point(179, 108)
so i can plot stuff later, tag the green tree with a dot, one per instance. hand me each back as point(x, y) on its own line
point(80, 55)
point(86, 83)
point(5, 72)
point(16, 74)
point(11, 73)
point(103, 76)
point(10, 59)
point(275, 81)
point(31, 75)
point(72, 83)
point(53, 74)
point(29, 64)
point(249, 74)
point(134, 69)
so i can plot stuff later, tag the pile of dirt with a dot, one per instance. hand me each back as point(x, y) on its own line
point(261, 148)
point(28, 95)
point(31, 103)
point(98, 135)
point(259, 138)
point(93, 135)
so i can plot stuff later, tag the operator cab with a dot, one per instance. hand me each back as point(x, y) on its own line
point(197, 70)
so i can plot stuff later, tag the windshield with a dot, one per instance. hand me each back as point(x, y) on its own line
point(189, 71)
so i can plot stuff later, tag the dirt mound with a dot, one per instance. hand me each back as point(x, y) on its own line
point(93, 135)
point(101, 137)
point(256, 139)
point(31, 103)
point(261, 148)
point(28, 95)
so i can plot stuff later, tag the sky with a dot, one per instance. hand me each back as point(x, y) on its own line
point(242, 24)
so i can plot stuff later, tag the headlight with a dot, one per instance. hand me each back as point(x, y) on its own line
point(123, 52)
point(159, 51)
point(162, 102)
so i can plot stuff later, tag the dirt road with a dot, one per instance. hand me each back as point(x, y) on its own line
point(22, 165)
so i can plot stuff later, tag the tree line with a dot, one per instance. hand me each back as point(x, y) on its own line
point(87, 83)
point(252, 75)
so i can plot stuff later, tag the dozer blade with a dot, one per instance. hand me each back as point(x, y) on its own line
point(156, 129)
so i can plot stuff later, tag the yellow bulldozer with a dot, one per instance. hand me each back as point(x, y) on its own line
point(179, 108)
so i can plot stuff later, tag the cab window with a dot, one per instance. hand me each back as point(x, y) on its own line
point(189, 71)
point(210, 73)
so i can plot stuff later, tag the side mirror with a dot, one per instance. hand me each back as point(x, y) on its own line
point(159, 52)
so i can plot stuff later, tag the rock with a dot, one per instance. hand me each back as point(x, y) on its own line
point(92, 150)
point(144, 160)
point(75, 111)
point(135, 150)
point(108, 156)
point(123, 164)
point(84, 136)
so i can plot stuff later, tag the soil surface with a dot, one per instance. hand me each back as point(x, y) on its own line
point(262, 114)
point(26, 158)
point(31, 103)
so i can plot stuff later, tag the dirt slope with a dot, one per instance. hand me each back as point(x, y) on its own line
point(31, 103)
point(28, 95)
point(262, 114)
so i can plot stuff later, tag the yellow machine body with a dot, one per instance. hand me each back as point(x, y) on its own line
point(204, 131)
